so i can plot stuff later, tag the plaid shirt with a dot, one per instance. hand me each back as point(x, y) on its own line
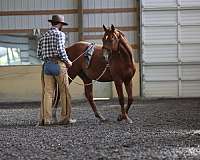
point(51, 44)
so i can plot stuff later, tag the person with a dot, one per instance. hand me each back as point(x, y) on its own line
point(51, 50)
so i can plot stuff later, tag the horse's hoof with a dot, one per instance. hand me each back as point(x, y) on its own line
point(100, 117)
point(128, 120)
point(120, 117)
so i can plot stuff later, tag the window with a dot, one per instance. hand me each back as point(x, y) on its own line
point(20, 49)
point(10, 56)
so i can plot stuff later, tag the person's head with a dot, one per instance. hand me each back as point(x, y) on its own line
point(58, 21)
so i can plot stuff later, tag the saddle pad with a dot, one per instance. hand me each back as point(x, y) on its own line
point(88, 53)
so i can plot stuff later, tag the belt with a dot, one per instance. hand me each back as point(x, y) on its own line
point(53, 59)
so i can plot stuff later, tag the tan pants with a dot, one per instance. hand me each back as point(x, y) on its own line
point(48, 90)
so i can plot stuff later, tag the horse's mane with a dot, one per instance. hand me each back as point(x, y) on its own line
point(125, 44)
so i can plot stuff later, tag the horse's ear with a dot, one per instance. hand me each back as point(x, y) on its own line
point(113, 27)
point(105, 29)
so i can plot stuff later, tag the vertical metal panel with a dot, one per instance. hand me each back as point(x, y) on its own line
point(73, 37)
point(170, 48)
point(159, 53)
point(190, 72)
point(44, 4)
point(189, 3)
point(11, 22)
point(159, 18)
point(11, 5)
point(190, 53)
point(160, 89)
point(38, 21)
point(190, 34)
point(4, 5)
point(160, 73)
point(91, 4)
point(4, 24)
point(24, 5)
point(118, 19)
point(190, 88)
point(190, 17)
point(31, 5)
point(160, 35)
point(19, 5)
point(158, 3)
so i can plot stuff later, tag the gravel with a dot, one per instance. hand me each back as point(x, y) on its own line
point(161, 129)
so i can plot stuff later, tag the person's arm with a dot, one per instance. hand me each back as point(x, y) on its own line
point(61, 49)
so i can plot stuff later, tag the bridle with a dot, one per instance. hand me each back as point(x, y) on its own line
point(108, 42)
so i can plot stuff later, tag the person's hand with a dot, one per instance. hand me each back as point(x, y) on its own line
point(68, 64)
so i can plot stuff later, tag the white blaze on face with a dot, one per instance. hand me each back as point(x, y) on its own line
point(105, 54)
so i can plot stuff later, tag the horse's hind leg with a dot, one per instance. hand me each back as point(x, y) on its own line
point(129, 91)
point(89, 96)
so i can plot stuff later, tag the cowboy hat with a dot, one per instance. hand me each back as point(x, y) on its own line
point(58, 18)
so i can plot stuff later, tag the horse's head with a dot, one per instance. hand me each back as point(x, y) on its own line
point(110, 40)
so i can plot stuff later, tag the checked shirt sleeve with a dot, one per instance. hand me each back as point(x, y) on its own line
point(61, 47)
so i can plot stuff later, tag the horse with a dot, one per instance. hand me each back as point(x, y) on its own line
point(111, 61)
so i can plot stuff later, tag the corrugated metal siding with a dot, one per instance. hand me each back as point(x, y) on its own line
point(96, 20)
point(24, 5)
point(91, 21)
point(31, 21)
point(37, 21)
point(108, 4)
point(155, 89)
point(118, 19)
point(158, 3)
point(170, 48)
point(190, 52)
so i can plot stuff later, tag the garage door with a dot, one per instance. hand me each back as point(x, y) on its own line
point(170, 45)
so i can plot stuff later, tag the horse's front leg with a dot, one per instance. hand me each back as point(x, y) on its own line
point(123, 115)
point(89, 96)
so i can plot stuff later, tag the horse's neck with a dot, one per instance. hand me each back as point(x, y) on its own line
point(126, 49)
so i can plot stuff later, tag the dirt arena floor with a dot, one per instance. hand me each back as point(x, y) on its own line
point(161, 129)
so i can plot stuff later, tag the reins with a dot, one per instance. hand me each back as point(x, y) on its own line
point(87, 84)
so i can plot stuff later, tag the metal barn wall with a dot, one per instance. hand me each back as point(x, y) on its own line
point(124, 16)
point(24, 15)
point(85, 18)
point(170, 48)
point(18, 18)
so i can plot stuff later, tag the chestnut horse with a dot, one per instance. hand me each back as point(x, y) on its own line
point(113, 59)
